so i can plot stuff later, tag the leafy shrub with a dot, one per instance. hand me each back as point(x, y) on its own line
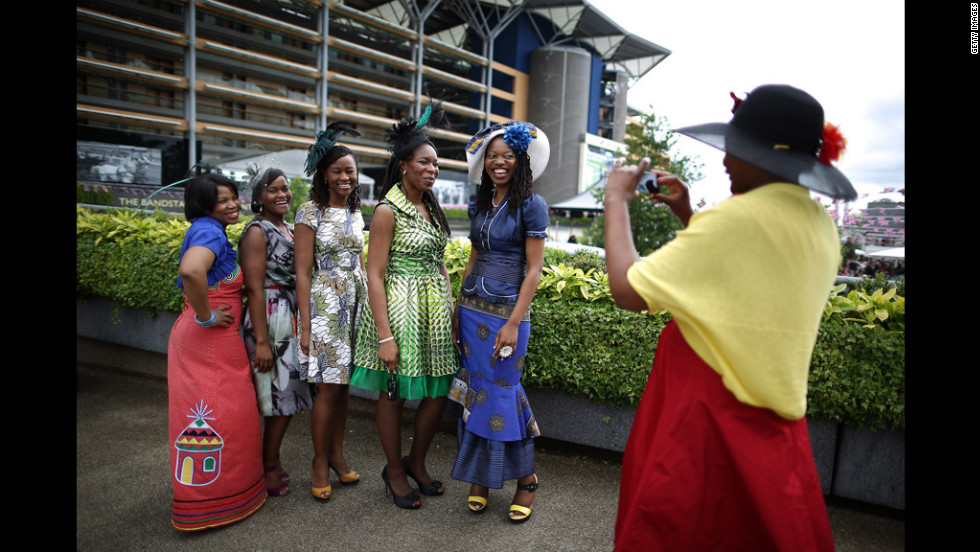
point(132, 258)
point(586, 260)
point(877, 311)
point(595, 350)
point(880, 281)
point(857, 377)
point(581, 344)
point(553, 256)
point(566, 282)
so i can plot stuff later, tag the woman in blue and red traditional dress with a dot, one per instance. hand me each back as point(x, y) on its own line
point(719, 457)
point(215, 432)
point(508, 227)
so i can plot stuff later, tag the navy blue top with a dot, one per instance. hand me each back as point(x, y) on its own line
point(499, 239)
point(207, 232)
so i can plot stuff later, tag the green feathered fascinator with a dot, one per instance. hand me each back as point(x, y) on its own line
point(325, 139)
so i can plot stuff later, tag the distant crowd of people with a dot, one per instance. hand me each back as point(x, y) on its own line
point(867, 267)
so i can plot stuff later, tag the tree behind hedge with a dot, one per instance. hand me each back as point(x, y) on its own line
point(652, 222)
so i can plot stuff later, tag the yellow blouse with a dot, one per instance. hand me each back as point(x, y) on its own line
point(747, 281)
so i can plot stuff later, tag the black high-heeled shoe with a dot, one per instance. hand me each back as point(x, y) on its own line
point(428, 489)
point(410, 501)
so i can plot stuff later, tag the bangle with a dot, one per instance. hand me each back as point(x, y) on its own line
point(386, 340)
point(209, 323)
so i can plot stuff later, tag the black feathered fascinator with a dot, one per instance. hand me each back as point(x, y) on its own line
point(408, 134)
point(325, 139)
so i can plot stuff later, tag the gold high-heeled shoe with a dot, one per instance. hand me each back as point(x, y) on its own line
point(348, 479)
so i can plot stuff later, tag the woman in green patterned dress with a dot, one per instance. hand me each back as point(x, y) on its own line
point(406, 340)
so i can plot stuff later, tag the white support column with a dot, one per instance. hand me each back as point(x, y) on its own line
point(324, 64)
point(190, 69)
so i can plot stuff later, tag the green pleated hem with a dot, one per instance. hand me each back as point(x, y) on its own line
point(419, 387)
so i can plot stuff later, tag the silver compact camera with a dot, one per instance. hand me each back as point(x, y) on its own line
point(649, 182)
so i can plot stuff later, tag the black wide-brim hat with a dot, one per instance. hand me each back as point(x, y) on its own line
point(779, 129)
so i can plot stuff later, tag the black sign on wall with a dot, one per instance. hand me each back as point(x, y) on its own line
point(137, 197)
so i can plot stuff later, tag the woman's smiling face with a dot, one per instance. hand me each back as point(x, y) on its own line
point(421, 169)
point(341, 177)
point(226, 207)
point(277, 198)
point(500, 161)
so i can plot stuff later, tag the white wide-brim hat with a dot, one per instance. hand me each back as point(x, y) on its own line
point(519, 135)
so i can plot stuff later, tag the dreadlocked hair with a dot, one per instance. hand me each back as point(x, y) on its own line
point(320, 190)
point(520, 189)
point(393, 175)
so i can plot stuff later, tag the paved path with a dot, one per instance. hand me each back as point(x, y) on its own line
point(124, 495)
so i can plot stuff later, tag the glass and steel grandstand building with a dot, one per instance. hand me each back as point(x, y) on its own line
point(241, 78)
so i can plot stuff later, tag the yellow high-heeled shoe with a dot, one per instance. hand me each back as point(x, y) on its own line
point(482, 501)
point(319, 492)
point(348, 479)
point(518, 513)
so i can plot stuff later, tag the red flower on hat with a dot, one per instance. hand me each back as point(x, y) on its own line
point(833, 144)
point(737, 101)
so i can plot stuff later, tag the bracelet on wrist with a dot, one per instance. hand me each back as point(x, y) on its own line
point(209, 323)
point(386, 340)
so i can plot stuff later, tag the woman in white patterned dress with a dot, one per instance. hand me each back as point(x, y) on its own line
point(331, 289)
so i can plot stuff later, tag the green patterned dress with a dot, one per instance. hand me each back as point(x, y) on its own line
point(420, 309)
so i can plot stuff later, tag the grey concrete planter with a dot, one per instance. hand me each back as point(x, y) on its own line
point(870, 467)
point(823, 441)
point(99, 318)
point(578, 420)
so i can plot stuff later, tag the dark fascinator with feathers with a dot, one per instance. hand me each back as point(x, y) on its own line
point(259, 176)
point(408, 134)
point(326, 139)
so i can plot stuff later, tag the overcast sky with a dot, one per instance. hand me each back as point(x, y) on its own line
point(848, 54)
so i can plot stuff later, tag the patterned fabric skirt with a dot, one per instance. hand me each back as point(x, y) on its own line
point(497, 429)
point(280, 391)
point(489, 463)
point(214, 428)
point(703, 471)
point(338, 299)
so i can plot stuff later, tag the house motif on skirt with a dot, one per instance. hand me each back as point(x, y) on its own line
point(198, 450)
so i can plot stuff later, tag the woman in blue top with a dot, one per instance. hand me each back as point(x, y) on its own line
point(215, 431)
point(508, 226)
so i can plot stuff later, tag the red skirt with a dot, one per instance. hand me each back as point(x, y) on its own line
point(703, 471)
point(215, 430)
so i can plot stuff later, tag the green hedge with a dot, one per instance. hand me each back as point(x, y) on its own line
point(857, 376)
point(595, 350)
point(587, 348)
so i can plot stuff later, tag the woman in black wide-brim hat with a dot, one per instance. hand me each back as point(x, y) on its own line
point(719, 457)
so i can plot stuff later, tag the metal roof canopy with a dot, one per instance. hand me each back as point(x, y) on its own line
point(574, 22)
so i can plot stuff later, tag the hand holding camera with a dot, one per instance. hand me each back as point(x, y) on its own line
point(650, 182)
